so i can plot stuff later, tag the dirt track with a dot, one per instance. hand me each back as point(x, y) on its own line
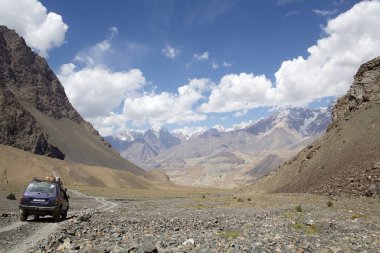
point(17, 236)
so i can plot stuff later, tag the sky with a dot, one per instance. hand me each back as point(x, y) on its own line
point(190, 64)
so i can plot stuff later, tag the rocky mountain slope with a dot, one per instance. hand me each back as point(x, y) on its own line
point(17, 124)
point(36, 114)
point(219, 156)
point(346, 160)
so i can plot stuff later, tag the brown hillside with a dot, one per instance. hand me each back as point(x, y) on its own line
point(346, 160)
point(22, 166)
point(79, 145)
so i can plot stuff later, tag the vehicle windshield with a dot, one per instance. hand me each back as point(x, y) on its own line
point(41, 187)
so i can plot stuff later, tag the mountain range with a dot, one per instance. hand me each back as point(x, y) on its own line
point(220, 156)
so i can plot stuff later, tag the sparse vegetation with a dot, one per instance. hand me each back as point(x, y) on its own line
point(312, 229)
point(200, 206)
point(240, 200)
point(249, 199)
point(297, 226)
point(11, 196)
point(357, 216)
point(329, 203)
point(233, 234)
point(298, 208)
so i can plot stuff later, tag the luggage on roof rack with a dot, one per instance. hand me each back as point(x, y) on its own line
point(48, 179)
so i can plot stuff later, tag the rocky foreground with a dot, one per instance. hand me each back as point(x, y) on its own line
point(270, 223)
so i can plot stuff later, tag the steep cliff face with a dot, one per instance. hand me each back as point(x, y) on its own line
point(31, 80)
point(19, 129)
point(346, 160)
point(36, 115)
point(366, 88)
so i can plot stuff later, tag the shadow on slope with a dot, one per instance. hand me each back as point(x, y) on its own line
point(81, 146)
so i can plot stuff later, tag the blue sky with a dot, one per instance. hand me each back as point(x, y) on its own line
point(253, 36)
point(143, 63)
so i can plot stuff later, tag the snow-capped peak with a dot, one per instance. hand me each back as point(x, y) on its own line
point(158, 130)
point(220, 128)
point(241, 126)
point(188, 132)
point(127, 135)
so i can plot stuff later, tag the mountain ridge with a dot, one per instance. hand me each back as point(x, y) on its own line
point(285, 132)
point(37, 115)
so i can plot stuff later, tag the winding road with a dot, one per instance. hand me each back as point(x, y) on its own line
point(37, 231)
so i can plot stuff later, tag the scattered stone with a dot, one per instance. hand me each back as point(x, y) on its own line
point(147, 246)
point(152, 226)
point(118, 249)
point(189, 242)
point(309, 222)
point(4, 215)
point(85, 217)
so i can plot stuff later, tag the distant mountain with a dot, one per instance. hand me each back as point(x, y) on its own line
point(36, 115)
point(304, 121)
point(181, 154)
point(346, 159)
point(141, 147)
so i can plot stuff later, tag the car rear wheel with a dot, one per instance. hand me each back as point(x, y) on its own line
point(57, 214)
point(23, 215)
point(64, 215)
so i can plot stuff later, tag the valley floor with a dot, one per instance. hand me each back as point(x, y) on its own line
point(196, 221)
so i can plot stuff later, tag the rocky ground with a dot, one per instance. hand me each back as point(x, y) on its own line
point(209, 223)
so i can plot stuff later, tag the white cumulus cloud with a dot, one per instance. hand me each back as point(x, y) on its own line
point(170, 52)
point(201, 57)
point(42, 30)
point(113, 99)
point(227, 64)
point(325, 12)
point(351, 39)
point(238, 92)
point(96, 91)
point(167, 108)
point(214, 65)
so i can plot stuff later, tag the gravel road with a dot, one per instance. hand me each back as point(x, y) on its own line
point(208, 224)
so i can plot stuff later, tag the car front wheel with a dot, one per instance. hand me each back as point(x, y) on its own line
point(57, 214)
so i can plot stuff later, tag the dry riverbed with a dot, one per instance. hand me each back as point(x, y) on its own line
point(197, 221)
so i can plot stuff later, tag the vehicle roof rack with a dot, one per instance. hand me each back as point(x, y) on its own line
point(48, 179)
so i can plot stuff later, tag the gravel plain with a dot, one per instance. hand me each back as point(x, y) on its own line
point(208, 223)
